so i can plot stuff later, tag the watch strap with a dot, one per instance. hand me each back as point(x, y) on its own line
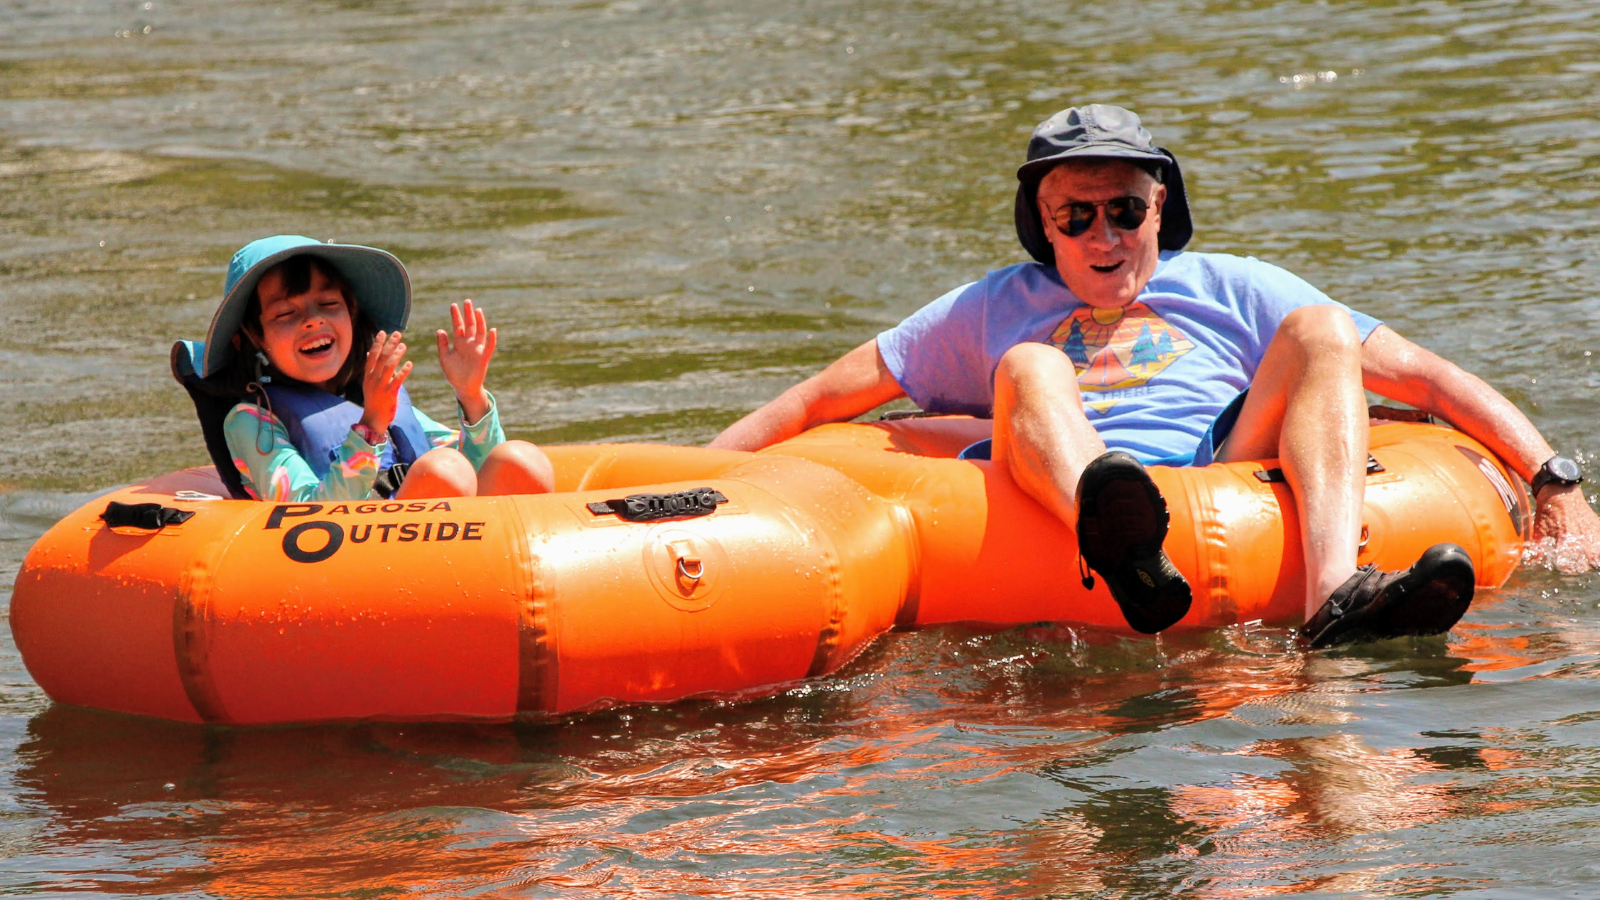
point(1556, 470)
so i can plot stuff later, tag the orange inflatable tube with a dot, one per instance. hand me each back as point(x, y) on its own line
point(655, 573)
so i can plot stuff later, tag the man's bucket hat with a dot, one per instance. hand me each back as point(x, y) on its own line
point(1096, 131)
point(380, 283)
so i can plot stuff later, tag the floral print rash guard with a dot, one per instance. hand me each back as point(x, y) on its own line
point(272, 469)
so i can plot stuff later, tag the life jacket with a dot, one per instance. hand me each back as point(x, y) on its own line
point(316, 420)
point(318, 423)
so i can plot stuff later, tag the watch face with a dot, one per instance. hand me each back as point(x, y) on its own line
point(1563, 470)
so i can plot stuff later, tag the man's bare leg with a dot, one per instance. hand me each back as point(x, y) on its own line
point(1040, 430)
point(1043, 438)
point(1306, 407)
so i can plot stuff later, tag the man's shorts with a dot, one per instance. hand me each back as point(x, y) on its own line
point(1204, 454)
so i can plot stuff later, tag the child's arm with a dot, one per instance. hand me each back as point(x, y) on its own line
point(466, 361)
point(473, 438)
point(381, 380)
point(272, 469)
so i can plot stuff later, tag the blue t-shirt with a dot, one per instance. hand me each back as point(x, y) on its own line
point(1154, 375)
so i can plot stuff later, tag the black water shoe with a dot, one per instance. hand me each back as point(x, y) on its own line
point(1428, 598)
point(1122, 520)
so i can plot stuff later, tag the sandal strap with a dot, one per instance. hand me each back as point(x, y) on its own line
point(1343, 598)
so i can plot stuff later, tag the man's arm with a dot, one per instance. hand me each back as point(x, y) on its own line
point(853, 384)
point(1398, 369)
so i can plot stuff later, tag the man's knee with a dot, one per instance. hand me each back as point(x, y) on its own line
point(1320, 329)
point(1031, 362)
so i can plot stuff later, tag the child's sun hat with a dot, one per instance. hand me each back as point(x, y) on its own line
point(380, 283)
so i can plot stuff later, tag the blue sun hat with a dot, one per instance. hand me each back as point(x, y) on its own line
point(1097, 131)
point(379, 281)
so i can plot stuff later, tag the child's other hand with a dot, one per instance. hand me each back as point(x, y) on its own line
point(380, 385)
point(466, 360)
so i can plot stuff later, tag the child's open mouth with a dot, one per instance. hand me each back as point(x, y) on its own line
point(1107, 270)
point(317, 348)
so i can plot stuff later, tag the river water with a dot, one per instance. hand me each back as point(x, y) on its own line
point(672, 210)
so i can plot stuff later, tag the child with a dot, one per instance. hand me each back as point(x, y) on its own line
point(322, 420)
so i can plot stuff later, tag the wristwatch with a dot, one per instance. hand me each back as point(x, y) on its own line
point(1556, 470)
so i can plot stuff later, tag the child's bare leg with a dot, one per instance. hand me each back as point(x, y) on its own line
point(516, 467)
point(442, 472)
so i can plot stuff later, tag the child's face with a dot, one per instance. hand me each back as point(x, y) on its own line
point(306, 336)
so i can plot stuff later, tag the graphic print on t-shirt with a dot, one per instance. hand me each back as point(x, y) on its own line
point(1115, 350)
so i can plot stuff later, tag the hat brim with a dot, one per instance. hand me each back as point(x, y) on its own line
point(378, 279)
point(1034, 170)
point(1176, 225)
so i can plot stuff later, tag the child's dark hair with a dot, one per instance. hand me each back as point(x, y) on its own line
point(244, 368)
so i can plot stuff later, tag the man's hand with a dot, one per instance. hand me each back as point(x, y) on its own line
point(380, 384)
point(466, 361)
point(1566, 531)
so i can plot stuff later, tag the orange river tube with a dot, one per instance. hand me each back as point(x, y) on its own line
point(761, 569)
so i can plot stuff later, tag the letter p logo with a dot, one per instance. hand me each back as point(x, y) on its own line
point(290, 511)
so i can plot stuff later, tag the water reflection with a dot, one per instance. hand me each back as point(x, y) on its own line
point(940, 753)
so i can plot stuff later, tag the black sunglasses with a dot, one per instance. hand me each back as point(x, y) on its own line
point(1126, 213)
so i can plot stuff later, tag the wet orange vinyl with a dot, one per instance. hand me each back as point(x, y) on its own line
point(779, 566)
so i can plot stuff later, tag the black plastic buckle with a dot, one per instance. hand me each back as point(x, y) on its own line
point(1275, 476)
point(649, 507)
point(150, 516)
point(1395, 414)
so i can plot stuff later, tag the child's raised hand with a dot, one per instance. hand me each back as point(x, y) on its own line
point(380, 383)
point(465, 360)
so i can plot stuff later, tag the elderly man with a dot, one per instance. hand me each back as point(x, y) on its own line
point(1117, 339)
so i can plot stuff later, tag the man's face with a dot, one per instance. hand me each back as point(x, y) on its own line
point(1105, 266)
